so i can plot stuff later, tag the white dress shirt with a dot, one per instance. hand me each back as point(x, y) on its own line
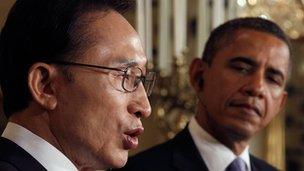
point(46, 154)
point(216, 155)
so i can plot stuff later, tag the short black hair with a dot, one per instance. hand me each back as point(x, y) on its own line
point(40, 31)
point(224, 32)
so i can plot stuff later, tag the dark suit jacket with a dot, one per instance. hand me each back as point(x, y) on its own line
point(13, 158)
point(179, 154)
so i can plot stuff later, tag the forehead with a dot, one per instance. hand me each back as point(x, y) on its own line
point(263, 48)
point(112, 39)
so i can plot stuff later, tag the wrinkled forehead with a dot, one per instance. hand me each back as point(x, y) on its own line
point(110, 35)
point(105, 26)
point(250, 38)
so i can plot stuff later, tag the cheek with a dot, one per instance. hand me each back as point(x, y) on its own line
point(102, 98)
point(109, 112)
point(273, 105)
point(277, 93)
point(216, 89)
point(93, 110)
point(223, 87)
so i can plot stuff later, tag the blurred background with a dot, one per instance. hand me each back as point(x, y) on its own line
point(174, 32)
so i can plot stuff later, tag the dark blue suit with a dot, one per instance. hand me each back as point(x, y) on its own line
point(179, 154)
point(14, 158)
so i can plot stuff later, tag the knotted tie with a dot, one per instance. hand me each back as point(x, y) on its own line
point(237, 165)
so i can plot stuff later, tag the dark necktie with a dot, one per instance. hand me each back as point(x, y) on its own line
point(237, 165)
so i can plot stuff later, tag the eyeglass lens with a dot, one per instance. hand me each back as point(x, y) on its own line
point(149, 82)
point(133, 77)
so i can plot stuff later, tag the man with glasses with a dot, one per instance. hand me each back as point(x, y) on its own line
point(240, 85)
point(74, 85)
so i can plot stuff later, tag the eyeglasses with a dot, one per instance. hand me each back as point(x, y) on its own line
point(131, 77)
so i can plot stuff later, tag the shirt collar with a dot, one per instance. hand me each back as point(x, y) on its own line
point(216, 155)
point(46, 154)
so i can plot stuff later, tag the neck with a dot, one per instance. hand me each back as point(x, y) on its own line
point(37, 121)
point(236, 143)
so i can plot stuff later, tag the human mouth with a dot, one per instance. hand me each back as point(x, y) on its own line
point(130, 140)
point(247, 108)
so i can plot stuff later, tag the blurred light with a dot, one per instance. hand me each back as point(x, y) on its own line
point(252, 2)
point(299, 14)
point(241, 3)
point(287, 24)
point(161, 112)
point(182, 122)
point(264, 16)
point(301, 69)
point(163, 74)
point(271, 2)
point(150, 66)
point(289, 14)
point(294, 34)
point(163, 92)
point(170, 134)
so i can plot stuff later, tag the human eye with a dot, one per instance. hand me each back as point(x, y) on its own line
point(241, 67)
point(275, 79)
point(131, 73)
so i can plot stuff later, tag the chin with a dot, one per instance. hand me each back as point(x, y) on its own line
point(119, 160)
point(241, 132)
point(120, 165)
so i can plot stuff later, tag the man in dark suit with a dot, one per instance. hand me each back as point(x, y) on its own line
point(240, 83)
point(72, 74)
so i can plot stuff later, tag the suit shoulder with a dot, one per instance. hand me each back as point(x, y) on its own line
point(13, 157)
point(165, 156)
point(152, 159)
point(259, 164)
point(158, 152)
point(5, 166)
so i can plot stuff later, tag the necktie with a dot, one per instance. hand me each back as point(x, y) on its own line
point(237, 165)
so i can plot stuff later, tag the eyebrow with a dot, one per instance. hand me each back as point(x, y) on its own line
point(126, 62)
point(244, 60)
point(130, 63)
point(253, 63)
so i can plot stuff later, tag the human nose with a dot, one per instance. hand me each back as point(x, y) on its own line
point(255, 85)
point(140, 105)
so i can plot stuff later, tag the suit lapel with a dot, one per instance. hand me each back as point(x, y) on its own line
point(185, 154)
point(186, 157)
point(15, 155)
point(253, 167)
point(258, 164)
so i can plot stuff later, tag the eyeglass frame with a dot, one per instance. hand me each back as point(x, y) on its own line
point(142, 77)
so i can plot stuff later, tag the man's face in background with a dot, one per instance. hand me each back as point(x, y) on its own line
point(244, 86)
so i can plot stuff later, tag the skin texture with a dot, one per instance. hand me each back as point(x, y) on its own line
point(87, 118)
point(243, 88)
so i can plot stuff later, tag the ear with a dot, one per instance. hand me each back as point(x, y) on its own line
point(196, 71)
point(40, 83)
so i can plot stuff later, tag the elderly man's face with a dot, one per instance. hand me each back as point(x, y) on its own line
point(96, 122)
point(244, 86)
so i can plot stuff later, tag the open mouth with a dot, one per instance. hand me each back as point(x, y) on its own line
point(130, 140)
